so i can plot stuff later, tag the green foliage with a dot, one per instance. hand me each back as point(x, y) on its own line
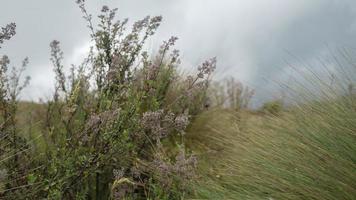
point(272, 107)
point(110, 127)
point(118, 126)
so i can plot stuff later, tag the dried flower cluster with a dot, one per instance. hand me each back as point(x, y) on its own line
point(181, 122)
point(7, 32)
point(207, 68)
point(56, 58)
point(160, 124)
point(182, 169)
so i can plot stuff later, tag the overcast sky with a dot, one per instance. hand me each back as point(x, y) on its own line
point(252, 39)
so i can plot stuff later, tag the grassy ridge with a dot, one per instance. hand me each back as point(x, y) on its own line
point(307, 152)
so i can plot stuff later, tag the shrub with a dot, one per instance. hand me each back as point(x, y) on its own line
point(14, 159)
point(110, 129)
point(230, 94)
point(272, 107)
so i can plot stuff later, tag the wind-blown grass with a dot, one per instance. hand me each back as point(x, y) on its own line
point(308, 151)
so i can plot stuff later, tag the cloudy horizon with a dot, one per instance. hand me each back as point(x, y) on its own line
point(251, 39)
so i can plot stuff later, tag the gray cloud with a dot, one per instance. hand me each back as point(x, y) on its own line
point(250, 38)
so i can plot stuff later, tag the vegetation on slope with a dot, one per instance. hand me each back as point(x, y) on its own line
point(119, 127)
point(115, 125)
point(306, 151)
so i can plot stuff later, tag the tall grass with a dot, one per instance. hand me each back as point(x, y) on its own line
point(307, 151)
